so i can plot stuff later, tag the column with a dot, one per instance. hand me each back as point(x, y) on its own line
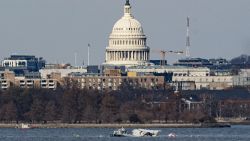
point(129, 55)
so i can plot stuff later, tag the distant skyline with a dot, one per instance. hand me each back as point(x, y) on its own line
point(58, 29)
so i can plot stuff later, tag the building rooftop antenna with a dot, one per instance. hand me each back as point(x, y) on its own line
point(188, 39)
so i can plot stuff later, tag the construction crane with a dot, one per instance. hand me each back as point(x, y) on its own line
point(163, 55)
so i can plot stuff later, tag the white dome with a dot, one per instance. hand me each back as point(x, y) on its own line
point(127, 42)
point(128, 25)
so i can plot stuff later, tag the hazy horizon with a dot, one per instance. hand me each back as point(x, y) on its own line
point(57, 29)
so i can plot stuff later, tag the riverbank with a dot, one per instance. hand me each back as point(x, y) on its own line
point(210, 125)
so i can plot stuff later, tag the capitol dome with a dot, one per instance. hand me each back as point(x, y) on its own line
point(128, 26)
point(127, 42)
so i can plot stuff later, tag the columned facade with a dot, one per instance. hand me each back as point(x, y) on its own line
point(125, 55)
point(127, 42)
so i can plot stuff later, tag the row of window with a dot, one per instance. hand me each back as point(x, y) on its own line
point(128, 42)
point(116, 87)
point(121, 80)
point(14, 63)
point(205, 80)
point(188, 74)
point(141, 55)
point(132, 29)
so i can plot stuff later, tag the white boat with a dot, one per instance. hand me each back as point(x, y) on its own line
point(145, 132)
point(24, 126)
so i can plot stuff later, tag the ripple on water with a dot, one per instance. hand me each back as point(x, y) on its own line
point(236, 133)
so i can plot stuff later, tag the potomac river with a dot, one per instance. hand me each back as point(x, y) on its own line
point(235, 133)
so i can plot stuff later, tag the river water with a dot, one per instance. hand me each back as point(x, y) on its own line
point(235, 133)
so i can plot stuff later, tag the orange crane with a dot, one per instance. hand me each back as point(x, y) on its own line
point(163, 55)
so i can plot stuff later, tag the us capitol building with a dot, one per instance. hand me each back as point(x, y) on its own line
point(127, 42)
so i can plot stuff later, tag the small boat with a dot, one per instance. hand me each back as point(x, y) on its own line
point(24, 126)
point(145, 132)
point(121, 133)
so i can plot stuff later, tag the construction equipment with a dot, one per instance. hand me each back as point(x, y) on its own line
point(163, 55)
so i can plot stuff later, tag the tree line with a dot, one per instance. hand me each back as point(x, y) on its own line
point(71, 104)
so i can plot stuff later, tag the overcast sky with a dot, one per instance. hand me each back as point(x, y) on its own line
point(57, 29)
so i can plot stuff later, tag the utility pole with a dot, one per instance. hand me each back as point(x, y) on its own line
point(88, 53)
point(75, 59)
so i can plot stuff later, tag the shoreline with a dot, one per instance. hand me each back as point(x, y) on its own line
point(182, 125)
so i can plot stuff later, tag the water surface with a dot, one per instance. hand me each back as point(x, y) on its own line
point(235, 133)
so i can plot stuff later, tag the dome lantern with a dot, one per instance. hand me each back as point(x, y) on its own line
point(127, 9)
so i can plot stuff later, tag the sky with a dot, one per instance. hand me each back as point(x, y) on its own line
point(59, 30)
